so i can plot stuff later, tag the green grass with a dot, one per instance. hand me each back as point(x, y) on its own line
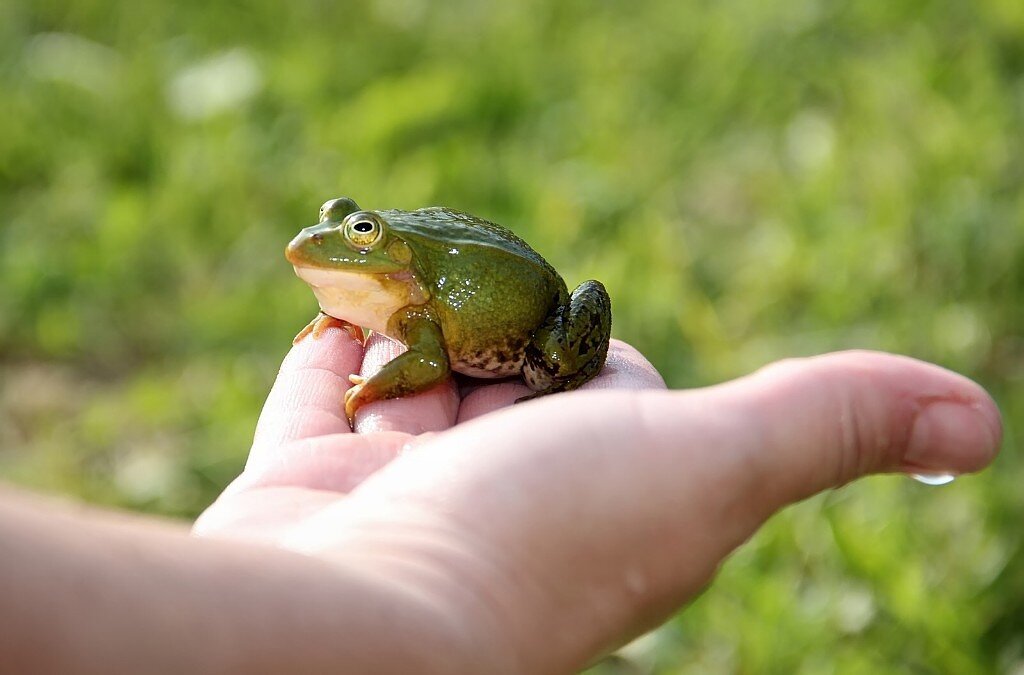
point(751, 181)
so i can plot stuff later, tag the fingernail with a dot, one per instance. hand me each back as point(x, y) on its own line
point(951, 436)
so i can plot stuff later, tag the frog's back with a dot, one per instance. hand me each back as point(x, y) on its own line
point(438, 226)
point(489, 288)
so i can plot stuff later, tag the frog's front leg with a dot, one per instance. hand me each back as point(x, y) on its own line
point(571, 346)
point(421, 367)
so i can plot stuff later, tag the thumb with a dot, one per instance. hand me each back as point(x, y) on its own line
point(827, 420)
point(739, 451)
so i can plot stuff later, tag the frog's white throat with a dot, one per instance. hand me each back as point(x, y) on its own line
point(367, 300)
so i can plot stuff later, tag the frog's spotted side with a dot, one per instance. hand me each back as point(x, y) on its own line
point(462, 293)
point(500, 360)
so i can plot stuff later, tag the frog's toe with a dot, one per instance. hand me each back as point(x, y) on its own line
point(306, 330)
point(322, 322)
point(354, 400)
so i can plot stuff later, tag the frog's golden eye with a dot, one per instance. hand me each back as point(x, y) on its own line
point(363, 230)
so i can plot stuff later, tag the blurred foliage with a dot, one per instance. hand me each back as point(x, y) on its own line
point(751, 180)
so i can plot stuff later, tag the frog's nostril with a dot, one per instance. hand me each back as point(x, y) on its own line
point(317, 237)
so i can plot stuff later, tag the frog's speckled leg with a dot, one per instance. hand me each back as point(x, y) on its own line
point(571, 346)
point(322, 322)
point(421, 367)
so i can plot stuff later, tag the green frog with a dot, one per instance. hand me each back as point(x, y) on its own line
point(460, 292)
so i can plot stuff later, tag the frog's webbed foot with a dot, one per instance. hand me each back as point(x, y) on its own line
point(421, 367)
point(571, 346)
point(322, 322)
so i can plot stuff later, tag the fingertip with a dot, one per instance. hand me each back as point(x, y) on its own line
point(306, 398)
point(951, 437)
point(334, 349)
point(626, 368)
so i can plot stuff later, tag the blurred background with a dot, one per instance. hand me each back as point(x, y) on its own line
point(751, 180)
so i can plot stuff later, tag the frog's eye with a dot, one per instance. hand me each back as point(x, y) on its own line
point(363, 230)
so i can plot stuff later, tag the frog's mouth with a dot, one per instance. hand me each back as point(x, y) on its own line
point(320, 277)
point(363, 298)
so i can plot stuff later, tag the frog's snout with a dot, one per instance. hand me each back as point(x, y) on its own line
point(298, 247)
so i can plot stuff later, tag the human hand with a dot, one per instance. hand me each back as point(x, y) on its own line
point(544, 534)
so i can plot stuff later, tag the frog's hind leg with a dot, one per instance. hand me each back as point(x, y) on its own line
point(571, 346)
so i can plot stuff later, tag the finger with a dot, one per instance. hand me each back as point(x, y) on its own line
point(490, 397)
point(296, 482)
point(336, 462)
point(858, 413)
point(432, 410)
point(303, 477)
point(805, 425)
point(625, 368)
point(306, 399)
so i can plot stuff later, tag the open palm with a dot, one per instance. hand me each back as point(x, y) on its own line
point(531, 538)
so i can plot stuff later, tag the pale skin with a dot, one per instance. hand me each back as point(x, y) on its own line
point(530, 540)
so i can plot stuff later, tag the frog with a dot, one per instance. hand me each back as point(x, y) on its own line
point(463, 294)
